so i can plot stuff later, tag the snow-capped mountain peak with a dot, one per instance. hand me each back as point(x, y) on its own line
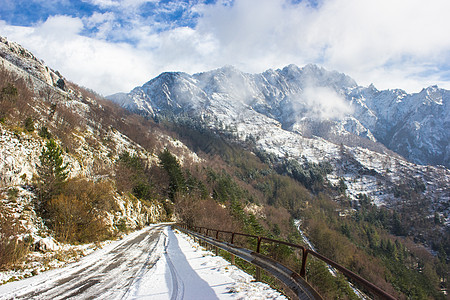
point(301, 99)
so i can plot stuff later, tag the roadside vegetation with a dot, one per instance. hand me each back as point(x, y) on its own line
point(12, 245)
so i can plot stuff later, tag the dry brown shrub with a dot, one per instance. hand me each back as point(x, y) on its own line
point(76, 215)
point(124, 178)
point(136, 127)
point(99, 194)
point(66, 121)
point(48, 94)
point(139, 129)
point(69, 119)
point(12, 249)
point(101, 167)
point(66, 214)
point(160, 180)
point(92, 142)
point(191, 210)
point(281, 217)
point(16, 99)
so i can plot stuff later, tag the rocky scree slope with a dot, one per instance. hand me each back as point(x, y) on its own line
point(312, 115)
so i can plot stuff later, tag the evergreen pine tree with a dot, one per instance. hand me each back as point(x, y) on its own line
point(51, 171)
point(173, 169)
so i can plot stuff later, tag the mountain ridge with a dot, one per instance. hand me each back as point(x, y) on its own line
point(292, 95)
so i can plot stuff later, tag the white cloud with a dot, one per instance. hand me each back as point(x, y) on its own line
point(392, 43)
point(323, 103)
point(105, 3)
point(353, 36)
point(401, 37)
point(93, 63)
point(60, 28)
point(102, 23)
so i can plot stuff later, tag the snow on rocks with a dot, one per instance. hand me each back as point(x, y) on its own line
point(133, 214)
point(25, 60)
point(256, 210)
point(46, 244)
point(19, 154)
point(38, 262)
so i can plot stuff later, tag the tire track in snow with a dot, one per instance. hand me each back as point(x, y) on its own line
point(177, 283)
point(152, 259)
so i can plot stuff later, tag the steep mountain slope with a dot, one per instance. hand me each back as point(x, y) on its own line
point(37, 105)
point(416, 126)
point(312, 115)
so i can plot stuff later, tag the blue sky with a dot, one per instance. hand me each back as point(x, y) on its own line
point(115, 45)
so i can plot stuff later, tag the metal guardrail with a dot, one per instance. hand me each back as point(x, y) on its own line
point(296, 282)
point(292, 280)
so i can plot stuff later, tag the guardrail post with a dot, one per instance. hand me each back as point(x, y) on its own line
point(217, 238)
point(258, 274)
point(303, 269)
point(233, 261)
point(258, 269)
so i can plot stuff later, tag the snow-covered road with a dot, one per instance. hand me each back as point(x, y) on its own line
point(152, 263)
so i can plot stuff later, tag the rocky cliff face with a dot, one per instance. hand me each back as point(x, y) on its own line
point(414, 125)
point(27, 63)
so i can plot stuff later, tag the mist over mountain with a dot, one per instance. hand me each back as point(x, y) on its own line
point(310, 101)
